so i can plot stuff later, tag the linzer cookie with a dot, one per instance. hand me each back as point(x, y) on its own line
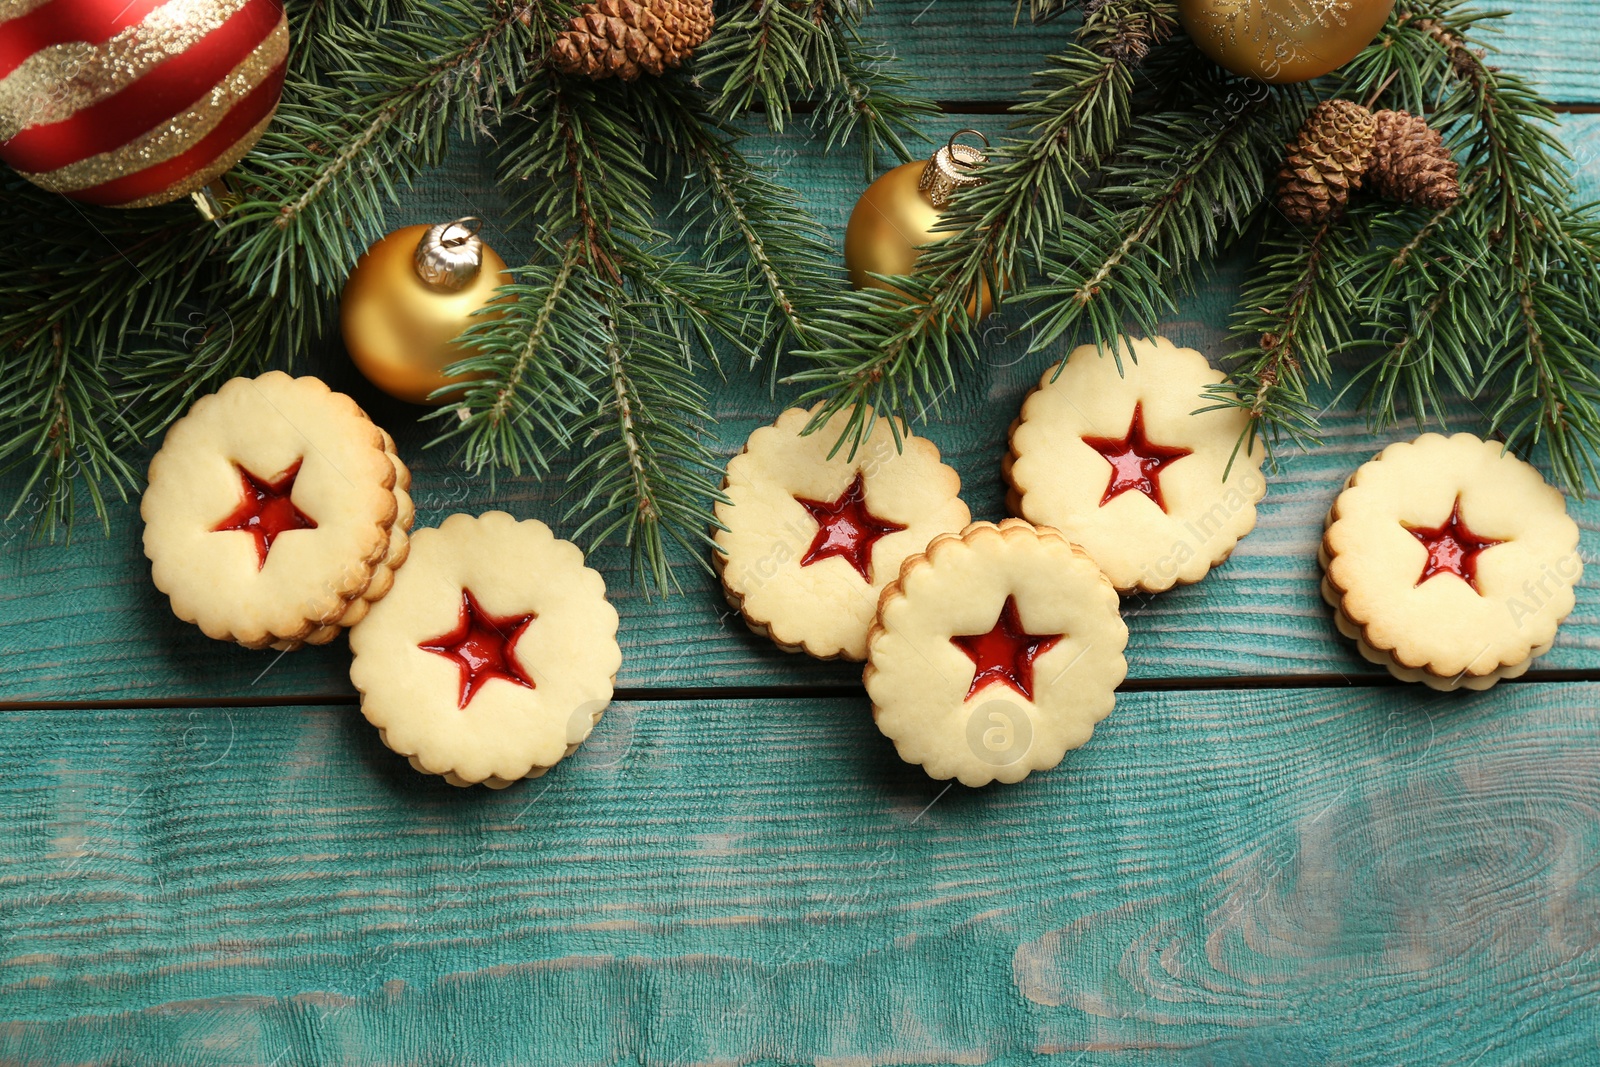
point(1128, 466)
point(994, 653)
point(1450, 562)
point(494, 654)
point(808, 539)
point(276, 512)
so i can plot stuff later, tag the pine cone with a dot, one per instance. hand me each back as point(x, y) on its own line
point(1411, 164)
point(1330, 154)
point(620, 38)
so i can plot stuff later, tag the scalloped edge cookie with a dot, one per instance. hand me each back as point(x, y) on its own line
point(824, 609)
point(505, 732)
point(1055, 479)
point(1426, 633)
point(921, 683)
point(347, 480)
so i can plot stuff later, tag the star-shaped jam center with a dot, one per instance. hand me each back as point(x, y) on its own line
point(266, 511)
point(1135, 460)
point(845, 528)
point(481, 645)
point(1006, 653)
point(1452, 548)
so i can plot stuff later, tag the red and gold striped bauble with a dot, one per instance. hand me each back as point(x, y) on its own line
point(129, 103)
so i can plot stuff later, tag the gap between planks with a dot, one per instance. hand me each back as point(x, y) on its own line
point(665, 694)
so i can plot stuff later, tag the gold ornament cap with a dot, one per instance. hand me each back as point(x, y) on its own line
point(450, 255)
point(953, 167)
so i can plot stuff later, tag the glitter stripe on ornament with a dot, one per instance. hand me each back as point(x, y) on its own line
point(65, 22)
point(81, 74)
point(178, 136)
point(15, 9)
point(169, 89)
point(185, 184)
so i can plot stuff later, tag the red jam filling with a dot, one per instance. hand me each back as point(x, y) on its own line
point(845, 528)
point(1135, 460)
point(1452, 548)
point(267, 512)
point(1006, 653)
point(481, 646)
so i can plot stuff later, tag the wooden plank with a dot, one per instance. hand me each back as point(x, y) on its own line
point(967, 53)
point(94, 628)
point(1554, 43)
point(1350, 876)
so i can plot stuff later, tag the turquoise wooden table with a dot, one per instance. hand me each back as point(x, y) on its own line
point(1269, 854)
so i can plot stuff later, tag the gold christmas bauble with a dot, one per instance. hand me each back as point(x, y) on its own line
point(1283, 41)
point(410, 296)
point(899, 212)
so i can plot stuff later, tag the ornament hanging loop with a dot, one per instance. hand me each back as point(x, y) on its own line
point(952, 167)
point(469, 225)
point(450, 254)
point(971, 157)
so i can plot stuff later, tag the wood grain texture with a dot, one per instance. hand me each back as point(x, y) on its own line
point(1272, 877)
point(964, 52)
point(1554, 43)
point(967, 52)
point(94, 628)
point(1306, 876)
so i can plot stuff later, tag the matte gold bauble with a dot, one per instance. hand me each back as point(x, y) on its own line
point(1283, 41)
point(410, 296)
point(899, 212)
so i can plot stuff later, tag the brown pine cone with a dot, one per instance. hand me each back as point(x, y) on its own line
point(1410, 162)
point(621, 38)
point(1326, 161)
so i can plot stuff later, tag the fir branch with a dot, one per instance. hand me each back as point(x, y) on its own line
point(1548, 390)
point(873, 102)
point(529, 390)
point(1509, 134)
point(64, 416)
point(1042, 11)
point(757, 57)
point(1297, 309)
point(900, 359)
point(594, 350)
point(222, 333)
point(772, 54)
point(1126, 30)
point(317, 30)
point(1183, 189)
point(1072, 120)
point(1429, 299)
point(76, 284)
point(1399, 68)
point(742, 218)
point(315, 189)
point(646, 468)
point(1513, 252)
point(882, 353)
point(577, 159)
